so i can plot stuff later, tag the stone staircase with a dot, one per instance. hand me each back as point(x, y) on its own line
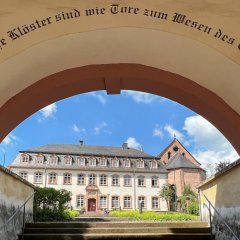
point(117, 230)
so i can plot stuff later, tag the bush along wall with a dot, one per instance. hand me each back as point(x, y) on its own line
point(51, 205)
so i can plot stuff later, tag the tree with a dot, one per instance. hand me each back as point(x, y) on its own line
point(49, 204)
point(189, 201)
point(221, 165)
point(167, 193)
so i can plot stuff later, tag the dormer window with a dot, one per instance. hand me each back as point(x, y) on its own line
point(81, 161)
point(140, 164)
point(115, 163)
point(39, 159)
point(153, 164)
point(91, 162)
point(103, 162)
point(126, 163)
point(53, 160)
point(25, 158)
point(68, 160)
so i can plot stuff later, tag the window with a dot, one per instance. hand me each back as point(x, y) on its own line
point(115, 163)
point(154, 181)
point(140, 164)
point(169, 155)
point(103, 162)
point(52, 178)
point(115, 180)
point(142, 199)
point(39, 159)
point(25, 158)
point(126, 163)
point(91, 162)
point(92, 179)
point(103, 202)
point(81, 179)
point(24, 175)
point(127, 202)
point(68, 160)
point(155, 203)
point(81, 161)
point(67, 178)
point(115, 202)
point(153, 164)
point(80, 201)
point(103, 180)
point(53, 160)
point(141, 181)
point(127, 181)
point(38, 177)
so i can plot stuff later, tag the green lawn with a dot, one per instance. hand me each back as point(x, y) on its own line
point(147, 215)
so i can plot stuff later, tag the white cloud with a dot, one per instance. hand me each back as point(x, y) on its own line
point(141, 97)
point(48, 112)
point(101, 97)
point(210, 145)
point(10, 139)
point(133, 143)
point(157, 132)
point(100, 127)
point(173, 132)
point(76, 129)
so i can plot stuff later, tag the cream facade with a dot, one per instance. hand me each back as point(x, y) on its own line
point(97, 182)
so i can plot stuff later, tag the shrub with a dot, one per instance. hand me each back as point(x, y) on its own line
point(49, 204)
point(147, 215)
point(72, 213)
point(193, 208)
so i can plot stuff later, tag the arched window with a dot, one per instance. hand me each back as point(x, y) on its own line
point(81, 179)
point(141, 181)
point(115, 180)
point(67, 178)
point(80, 201)
point(24, 175)
point(103, 201)
point(92, 179)
point(127, 181)
point(52, 178)
point(127, 202)
point(154, 181)
point(38, 177)
point(103, 179)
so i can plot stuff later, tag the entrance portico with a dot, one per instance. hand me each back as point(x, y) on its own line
point(91, 198)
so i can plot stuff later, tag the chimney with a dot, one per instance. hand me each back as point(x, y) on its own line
point(125, 146)
point(81, 142)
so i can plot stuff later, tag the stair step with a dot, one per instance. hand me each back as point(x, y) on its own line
point(125, 236)
point(117, 230)
point(116, 224)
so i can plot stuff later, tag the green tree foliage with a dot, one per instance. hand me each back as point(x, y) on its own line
point(167, 193)
point(49, 204)
point(189, 201)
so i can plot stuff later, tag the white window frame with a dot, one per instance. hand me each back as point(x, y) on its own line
point(80, 179)
point(115, 201)
point(115, 180)
point(155, 202)
point(125, 163)
point(80, 201)
point(154, 181)
point(127, 179)
point(92, 179)
point(103, 201)
point(67, 178)
point(81, 161)
point(52, 176)
point(142, 199)
point(38, 177)
point(115, 163)
point(127, 202)
point(140, 164)
point(24, 175)
point(91, 162)
point(141, 181)
point(103, 180)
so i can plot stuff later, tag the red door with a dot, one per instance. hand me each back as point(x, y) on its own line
point(92, 205)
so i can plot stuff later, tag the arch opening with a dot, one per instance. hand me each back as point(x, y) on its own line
point(116, 77)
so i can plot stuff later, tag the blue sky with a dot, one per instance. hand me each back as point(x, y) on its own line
point(143, 120)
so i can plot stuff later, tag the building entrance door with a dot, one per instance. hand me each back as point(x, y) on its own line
point(92, 205)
